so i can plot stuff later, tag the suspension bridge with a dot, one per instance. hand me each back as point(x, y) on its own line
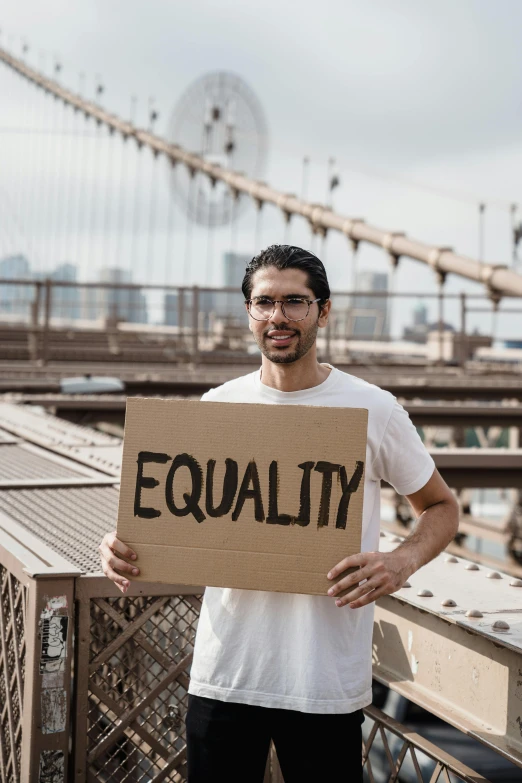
point(98, 279)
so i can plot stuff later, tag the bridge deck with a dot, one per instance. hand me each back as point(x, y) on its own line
point(422, 648)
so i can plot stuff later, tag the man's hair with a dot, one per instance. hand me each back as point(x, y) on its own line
point(289, 257)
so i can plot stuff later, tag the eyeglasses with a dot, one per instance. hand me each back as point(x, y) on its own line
point(295, 309)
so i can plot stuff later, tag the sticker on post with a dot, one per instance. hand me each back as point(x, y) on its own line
point(54, 605)
point(54, 644)
point(52, 766)
point(54, 710)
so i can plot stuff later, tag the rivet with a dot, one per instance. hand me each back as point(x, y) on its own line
point(425, 593)
point(406, 584)
point(450, 559)
point(500, 625)
point(449, 602)
point(471, 567)
point(473, 613)
point(493, 575)
point(516, 583)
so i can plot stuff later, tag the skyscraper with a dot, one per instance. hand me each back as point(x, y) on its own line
point(15, 299)
point(121, 304)
point(234, 265)
point(370, 313)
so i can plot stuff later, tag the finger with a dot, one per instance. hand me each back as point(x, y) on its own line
point(368, 587)
point(119, 547)
point(368, 598)
point(349, 582)
point(115, 563)
point(353, 561)
point(120, 581)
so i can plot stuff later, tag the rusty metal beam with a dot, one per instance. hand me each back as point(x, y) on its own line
point(497, 278)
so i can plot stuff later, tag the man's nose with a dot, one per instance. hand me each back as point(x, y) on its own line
point(278, 315)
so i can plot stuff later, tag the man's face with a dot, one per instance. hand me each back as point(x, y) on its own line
point(283, 341)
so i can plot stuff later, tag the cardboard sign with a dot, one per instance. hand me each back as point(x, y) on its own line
point(264, 497)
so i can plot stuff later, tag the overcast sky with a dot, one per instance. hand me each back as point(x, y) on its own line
point(412, 98)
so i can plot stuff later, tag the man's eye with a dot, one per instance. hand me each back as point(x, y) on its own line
point(295, 301)
point(263, 301)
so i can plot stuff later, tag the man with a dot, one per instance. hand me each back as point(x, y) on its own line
point(297, 668)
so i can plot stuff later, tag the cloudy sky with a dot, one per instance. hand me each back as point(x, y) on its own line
point(418, 102)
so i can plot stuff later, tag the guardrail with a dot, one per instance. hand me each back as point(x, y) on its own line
point(45, 320)
point(93, 684)
point(129, 692)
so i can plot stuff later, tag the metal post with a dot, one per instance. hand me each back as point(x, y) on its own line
point(463, 314)
point(328, 339)
point(35, 321)
point(441, 324)
point(47, 318)
point(46, 721)
point(36, 304)
point(181, 310)
point(195, 324)
point(463, 337)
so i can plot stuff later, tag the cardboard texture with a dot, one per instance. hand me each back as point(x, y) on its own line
point(264, 497)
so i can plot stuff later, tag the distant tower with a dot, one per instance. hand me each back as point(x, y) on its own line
point(123, 304)
point(420, 315)
point(15, 300)
point(234, 265)
point(371, 312)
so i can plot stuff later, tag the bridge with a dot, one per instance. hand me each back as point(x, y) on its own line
point(449, 642)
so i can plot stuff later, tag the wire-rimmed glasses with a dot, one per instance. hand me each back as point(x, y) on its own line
point(262, 308)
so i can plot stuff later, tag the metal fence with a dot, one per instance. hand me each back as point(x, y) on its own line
point(133, 659)
point(128, 686)
point(93, 684)
point(55, 320)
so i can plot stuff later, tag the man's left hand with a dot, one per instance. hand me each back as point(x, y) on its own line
point(383, 572)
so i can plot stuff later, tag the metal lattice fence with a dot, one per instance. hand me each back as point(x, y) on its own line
point(12, 673)
point(133, 680)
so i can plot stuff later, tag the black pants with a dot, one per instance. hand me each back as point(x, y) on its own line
point(229, 742)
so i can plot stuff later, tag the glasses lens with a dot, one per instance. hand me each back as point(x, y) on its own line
point(296, 309)
point(261, 309)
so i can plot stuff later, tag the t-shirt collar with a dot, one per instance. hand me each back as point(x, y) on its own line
point(303, 394)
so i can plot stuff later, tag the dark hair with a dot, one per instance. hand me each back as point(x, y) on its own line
point(289, 257)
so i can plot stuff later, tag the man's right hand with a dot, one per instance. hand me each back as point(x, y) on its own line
point(110, 548)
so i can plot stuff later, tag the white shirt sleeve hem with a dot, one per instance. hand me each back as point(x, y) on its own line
point(421, 480)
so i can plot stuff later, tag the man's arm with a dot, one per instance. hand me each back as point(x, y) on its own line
point(385, 572)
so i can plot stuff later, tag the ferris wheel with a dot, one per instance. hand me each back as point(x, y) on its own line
point(220, 119)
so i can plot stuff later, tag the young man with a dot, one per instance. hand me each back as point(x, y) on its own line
point(297, 668)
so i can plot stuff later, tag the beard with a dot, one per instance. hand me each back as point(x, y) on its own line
point(305, 340)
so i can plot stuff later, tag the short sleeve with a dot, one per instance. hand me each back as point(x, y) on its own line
point(402, 459)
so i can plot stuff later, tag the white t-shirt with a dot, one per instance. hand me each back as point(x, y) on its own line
point(302, 652)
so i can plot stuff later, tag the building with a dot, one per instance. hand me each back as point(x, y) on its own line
point(224, 306)
point(66, 300)
point(417, 332)
point(233, 307)
point(370, 313)
point(117, 304)
point(15, 299)
point(179, 310)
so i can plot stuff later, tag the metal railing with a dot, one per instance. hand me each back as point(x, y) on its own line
point(129, 693)
point(94, 684)
point(48, 320)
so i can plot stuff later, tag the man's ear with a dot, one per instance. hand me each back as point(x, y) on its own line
point(324, 313)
